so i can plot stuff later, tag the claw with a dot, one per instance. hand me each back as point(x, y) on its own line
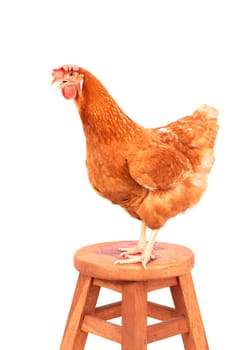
point(134, 259)
point(130, 251)
point(143, 258)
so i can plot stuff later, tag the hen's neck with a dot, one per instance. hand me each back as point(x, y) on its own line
point(102, 116)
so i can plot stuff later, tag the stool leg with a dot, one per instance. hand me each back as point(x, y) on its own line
point(134, 316)
point(185, 300)
point(84, 301)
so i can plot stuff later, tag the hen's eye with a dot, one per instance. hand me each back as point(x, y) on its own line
point(71, 74)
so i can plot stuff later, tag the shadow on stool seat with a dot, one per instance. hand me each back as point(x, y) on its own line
point(171, 269)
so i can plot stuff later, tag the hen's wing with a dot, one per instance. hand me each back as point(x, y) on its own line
point(175, 150)
point(158, 166)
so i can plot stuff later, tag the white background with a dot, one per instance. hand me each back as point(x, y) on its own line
point(160, 60)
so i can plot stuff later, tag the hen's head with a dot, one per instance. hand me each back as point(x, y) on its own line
point(69, 80)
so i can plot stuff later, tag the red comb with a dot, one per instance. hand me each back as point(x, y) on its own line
point(58, 72)
point(58, 69)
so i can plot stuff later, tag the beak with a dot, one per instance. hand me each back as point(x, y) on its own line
point(60, 83)
point(58, 75)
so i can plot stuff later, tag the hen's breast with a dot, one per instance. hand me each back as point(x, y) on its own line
point(109, 175)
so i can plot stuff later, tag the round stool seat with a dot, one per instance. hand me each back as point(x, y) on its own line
point(98, 261)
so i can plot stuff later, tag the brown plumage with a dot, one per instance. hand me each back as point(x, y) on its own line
point(154, 174)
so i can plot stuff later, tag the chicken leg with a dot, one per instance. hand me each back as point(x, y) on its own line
point(143, 247)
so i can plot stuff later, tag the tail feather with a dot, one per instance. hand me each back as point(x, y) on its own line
point(194, 136)
point(210, 112)
point(199, 128)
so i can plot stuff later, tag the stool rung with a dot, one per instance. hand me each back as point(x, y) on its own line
point(161, 312)
point(101, 328)
point(109, 311)
point(157, 311)
point(167, 329)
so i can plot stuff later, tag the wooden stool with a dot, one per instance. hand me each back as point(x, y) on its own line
point(171, 269)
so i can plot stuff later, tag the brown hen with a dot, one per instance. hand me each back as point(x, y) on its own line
point(154, 174)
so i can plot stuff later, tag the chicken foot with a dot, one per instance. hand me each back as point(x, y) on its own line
point(143, 247)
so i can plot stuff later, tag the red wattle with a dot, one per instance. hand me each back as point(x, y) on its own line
point(69, 92)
